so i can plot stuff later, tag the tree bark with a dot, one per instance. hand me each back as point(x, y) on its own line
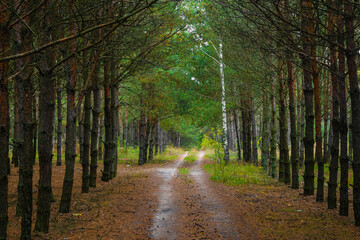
point(25, 126)
point(246, 132)
point(101, 136)
point(157, 130)
point(293, 132)
point(4, 121)
point(223, 104)
point(307, 25)
point(272, 165)
point(332, 185)
point(151, 142)
point(142, 139)
point(254, 137)
point(238, 140)
point(106, 175)
point(302, 129)
point(317, 101)
point(86, 128)
point(284, 164)
point(59, 124)
point(115, 126)
point(343, 128)
point(15, 155)
point(96, 138)
point(19, 114)
point(351, 53)
point(326, 120)
point(70, 142)
point(46, 129)
point(35, 128)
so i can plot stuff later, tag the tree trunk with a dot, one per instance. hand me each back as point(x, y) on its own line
point(25, 127)
point(307, 25)
point(254, 137)
point(326, 120)
point(59, 124)
point(106, 175)
point(27, 164)
point(46, 129)
point(142, 139)
point(157, 130)
point(318, 148)
point(272, 165)
point(101, 136)
point(230, 135)
point(19, 115)
point(126, 130)
point(351, 53)
point(4, 121)
point(86, 128)
point(343, 128)
point(245, 125)
point(284, 164)
point(223, 104)
point(147, 137)
point(293, 132)
point(302, 129)
point(238, 140)
point(35, 129)
point(115, 124)
point(151, 142)
point(317, 101)
point(95, 136)
point(70, 142)
point(332, 185)
point(15, 155)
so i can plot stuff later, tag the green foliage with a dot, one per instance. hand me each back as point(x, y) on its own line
point(184, 171)
point(237, 174)
point(190, 158)
point(209, 142)
point(128, 153)
point(170, 154)
point(233, 173)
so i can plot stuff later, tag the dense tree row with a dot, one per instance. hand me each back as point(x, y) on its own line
point(298, 58)
point(81, 50)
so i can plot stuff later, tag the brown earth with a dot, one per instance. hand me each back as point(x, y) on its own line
point(156, 202)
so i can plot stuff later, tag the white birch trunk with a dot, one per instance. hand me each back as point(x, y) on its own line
point(223, 103)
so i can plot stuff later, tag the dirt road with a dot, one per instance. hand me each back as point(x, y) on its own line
point(190, 208)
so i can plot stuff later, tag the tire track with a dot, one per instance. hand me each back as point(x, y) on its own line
point(221, 217)
point(164, 224)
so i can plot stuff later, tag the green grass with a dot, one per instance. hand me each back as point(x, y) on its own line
point(164, 157)
point(184, 171)
point(128, 153)
point(170, 154)
point(235, 174)
point(190, 158)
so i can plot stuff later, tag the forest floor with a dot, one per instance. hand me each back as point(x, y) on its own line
point(177, 200)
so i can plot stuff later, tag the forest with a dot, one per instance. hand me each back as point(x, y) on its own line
point(179, 119)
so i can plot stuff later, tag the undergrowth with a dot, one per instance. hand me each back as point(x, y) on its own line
point(131, 155)
point(184, 171)
point(190, 158)
point(237, 174)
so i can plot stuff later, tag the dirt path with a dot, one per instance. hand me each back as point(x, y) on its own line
point(190, 208)
point(164, 222)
